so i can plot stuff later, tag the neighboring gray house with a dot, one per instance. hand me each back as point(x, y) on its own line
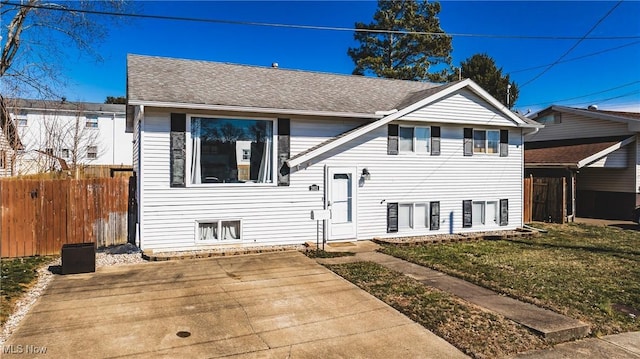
point(385, 158)
point(596, 151)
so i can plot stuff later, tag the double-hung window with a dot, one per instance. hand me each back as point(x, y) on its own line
point(412, 216)
point(22, 120)
point(415, 139)
point(92, 121)
point(92, 152)
point(485, 213)
point(231, 150)
point(486, 141)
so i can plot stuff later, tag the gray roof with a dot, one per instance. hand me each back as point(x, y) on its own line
point(158, 79)
point(17, 104)
point(618, 116)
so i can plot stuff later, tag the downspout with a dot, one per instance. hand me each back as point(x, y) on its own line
point(113, 138)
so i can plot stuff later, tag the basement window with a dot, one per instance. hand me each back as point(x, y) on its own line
point(218, 231)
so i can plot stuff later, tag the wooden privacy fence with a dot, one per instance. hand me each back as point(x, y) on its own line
point(39, 216)
point(527, 200)
point(549, 199)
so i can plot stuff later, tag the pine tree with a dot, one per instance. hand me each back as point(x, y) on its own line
point(403, 54)
point(482, 69)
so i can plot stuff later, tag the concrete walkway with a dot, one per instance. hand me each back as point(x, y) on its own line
point(553, 326)
point(618, 346)
point(271, 305)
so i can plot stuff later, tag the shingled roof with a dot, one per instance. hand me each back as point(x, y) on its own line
point(568, 153)
point(167, 80)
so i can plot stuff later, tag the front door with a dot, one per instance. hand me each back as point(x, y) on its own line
point(341, 200)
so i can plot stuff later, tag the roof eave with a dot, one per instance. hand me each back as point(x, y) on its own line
point(551, 165)
point(265, 110)
point(586, 113)
point(598, 155)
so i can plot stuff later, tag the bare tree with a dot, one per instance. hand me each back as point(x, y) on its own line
point(36, 38)
point(38, 35)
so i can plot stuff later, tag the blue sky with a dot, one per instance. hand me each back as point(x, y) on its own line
point(612, 76)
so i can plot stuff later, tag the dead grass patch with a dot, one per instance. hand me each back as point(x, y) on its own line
point(476, 332)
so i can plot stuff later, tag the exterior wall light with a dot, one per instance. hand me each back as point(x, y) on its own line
point(365, 174)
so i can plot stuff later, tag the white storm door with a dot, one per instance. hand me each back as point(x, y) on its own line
point(341, 200)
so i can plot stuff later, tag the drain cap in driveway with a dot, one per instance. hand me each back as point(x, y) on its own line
point(183, 334)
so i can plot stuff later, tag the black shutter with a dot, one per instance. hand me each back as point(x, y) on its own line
point(177, 147)
point(467, 221)
point(392, 217)
point(504, 143)
point(435, 140)
point(284, 144)
point(434, 223)
point(392, 140)
point(468, 141)
point(504, 212)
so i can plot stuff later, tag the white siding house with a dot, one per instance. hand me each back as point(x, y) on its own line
point(80, 133)
point(597, 151)
point(386, 158)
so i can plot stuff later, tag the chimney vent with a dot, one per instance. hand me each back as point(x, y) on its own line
point(592, 107)
point(274, 65)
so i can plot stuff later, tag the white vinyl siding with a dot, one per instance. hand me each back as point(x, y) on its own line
point(280, 215)
point(616, 159)
point(462, 107)
point(574, 126)
point(607, 179)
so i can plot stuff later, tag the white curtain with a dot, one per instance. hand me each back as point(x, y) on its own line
point(265, 173)
point(196, 168)
point(208, 231)
point(230, 230)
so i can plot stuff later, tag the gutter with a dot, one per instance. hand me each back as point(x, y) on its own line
point(266, 110)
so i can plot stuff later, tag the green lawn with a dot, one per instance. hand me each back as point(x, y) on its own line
point(591, 273)
point(18, 274)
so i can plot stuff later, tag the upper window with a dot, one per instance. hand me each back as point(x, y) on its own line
point(92, 152)
point(219, 145)
point(485, 141)
point(3, 159)
point(92, 122)
point(415, 139)
point(21, 120)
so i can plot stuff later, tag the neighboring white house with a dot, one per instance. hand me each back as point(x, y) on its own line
point(596, 151)
point(78, 133)
point(386, 158)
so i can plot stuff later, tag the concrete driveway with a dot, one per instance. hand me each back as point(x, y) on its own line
point(274, 305)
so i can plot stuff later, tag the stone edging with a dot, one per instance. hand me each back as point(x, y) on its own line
point(461, 237)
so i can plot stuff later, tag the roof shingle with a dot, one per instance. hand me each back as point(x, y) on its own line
point(566, 152)
point(159, 79)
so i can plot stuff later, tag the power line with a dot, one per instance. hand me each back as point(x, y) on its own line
point(574, 46)
point(582, 96)
point(314, 27)
point(578, 58)
point(608, 99)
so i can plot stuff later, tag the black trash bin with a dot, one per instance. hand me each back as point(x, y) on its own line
point(78, 258)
